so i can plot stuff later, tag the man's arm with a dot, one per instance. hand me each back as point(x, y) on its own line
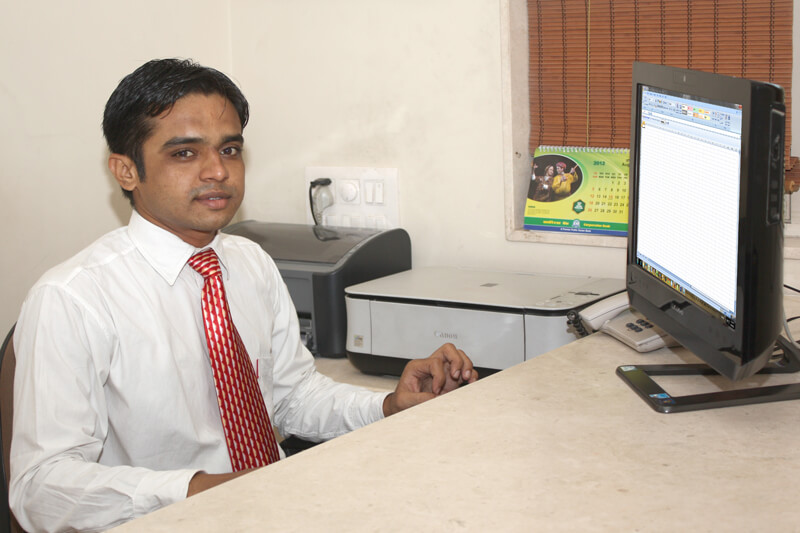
point(61, 423)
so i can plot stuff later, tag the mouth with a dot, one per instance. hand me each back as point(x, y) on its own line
point(214, 199)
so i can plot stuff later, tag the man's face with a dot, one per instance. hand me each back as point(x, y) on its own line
point(194, 172)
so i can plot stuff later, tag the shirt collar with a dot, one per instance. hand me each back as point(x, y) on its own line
point(166, 252)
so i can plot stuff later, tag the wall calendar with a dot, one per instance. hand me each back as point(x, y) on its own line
point(579, 190)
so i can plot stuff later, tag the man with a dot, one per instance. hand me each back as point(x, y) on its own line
point(119, 405)
point(562, 186)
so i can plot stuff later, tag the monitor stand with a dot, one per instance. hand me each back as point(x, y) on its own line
point(638, 378)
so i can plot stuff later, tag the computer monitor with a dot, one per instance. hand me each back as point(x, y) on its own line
point(705, 241)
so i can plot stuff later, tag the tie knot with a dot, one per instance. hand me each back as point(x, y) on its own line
point(205, 263)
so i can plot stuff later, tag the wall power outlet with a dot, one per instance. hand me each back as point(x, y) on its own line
point(363, 197)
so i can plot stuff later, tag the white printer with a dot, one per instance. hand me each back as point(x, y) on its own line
point(499, 319)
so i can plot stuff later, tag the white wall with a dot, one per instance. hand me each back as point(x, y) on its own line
point(380, 83)
point(59, 62)
point(407, 84)
point(414, 85)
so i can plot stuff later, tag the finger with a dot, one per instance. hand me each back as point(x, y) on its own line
point(468, 371)
point(438, 374)
point(423, 375)
point(460, 365)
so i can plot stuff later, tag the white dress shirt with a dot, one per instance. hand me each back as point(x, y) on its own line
point(115, 407)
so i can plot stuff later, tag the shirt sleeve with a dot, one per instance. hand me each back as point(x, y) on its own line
point(61, 421)
point(308, 404)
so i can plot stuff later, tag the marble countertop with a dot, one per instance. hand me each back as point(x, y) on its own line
point(558, 443)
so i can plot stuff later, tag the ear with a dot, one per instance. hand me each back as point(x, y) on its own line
point(124, 170)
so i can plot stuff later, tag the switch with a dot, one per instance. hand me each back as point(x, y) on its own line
point(348, 191)
point(357, 192)
point(369, 192)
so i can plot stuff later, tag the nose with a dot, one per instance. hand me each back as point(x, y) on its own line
point(215, 168)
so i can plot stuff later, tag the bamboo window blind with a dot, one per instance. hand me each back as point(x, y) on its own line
point(581, 54)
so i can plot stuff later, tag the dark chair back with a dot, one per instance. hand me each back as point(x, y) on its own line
point(8, 364)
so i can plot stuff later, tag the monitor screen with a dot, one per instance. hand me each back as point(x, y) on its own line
point(705, 247)
point(689, 152)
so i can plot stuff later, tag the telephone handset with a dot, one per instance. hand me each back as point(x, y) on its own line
point(615, 317)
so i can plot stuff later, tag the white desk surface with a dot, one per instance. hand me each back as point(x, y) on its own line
point(558, 443)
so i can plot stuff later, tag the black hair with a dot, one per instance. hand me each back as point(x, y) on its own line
point(153, 89)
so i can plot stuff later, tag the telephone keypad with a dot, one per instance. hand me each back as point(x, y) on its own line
point(640, 325)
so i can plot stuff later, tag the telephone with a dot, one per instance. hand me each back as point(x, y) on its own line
point(615, 317)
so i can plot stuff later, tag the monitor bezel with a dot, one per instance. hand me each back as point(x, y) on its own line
point(733, 352)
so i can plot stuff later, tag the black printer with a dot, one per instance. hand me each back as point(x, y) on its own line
point(318, 262)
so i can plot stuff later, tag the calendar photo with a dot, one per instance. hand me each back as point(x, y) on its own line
point(578, 190)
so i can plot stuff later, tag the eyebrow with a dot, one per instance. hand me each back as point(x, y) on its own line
point(179, 141)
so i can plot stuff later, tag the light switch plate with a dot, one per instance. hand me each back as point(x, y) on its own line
point(363, 197)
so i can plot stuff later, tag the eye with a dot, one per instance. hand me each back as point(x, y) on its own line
point(231, 151)
point(183, 154)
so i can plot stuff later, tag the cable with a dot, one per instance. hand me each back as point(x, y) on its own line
point(574, 320)
point(786, 321)
point(786, 329)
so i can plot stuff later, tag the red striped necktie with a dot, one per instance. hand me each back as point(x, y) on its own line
point(248, 431)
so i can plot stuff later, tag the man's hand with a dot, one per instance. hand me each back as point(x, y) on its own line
point(422, 379)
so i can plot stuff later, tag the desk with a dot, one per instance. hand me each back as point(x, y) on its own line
point(558, 443)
